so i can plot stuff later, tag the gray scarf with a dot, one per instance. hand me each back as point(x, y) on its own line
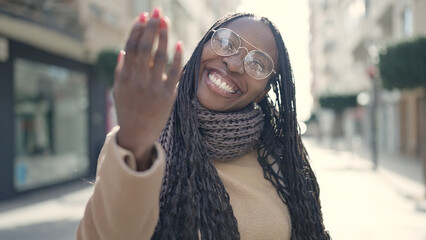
point(226, 136)
point(230, 135)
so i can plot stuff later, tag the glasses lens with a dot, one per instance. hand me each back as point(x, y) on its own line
point(225, 42)
point(258, 65)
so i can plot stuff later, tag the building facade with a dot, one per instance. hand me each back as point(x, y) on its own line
point(53, 109)
point(346, 38)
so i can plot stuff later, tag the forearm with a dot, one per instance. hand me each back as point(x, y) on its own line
point(125, 203)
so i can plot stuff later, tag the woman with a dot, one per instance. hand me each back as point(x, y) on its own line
point(229, 162)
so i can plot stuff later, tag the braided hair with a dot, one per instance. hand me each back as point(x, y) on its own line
point(193, 201)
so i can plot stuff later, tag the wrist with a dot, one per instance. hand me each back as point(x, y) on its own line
point(143, 151)
point(145, 162)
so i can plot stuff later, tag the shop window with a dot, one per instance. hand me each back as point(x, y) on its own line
point(51, 124)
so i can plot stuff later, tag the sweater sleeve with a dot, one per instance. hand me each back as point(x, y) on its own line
point(125, 203)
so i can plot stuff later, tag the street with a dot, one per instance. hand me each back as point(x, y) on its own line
point(358, 203)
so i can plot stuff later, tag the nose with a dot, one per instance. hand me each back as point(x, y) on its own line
point(235, 62)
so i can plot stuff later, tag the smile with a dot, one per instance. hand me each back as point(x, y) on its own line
point(216, 79)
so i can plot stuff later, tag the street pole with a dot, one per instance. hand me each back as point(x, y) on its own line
point(373, 74)
point(423, 140)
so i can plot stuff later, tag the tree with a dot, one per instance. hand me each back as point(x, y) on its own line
point(403, 66)
point(105, 66)
point(338, 103)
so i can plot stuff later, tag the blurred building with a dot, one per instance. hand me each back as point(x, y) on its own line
point(346, 37)
point(52, 106)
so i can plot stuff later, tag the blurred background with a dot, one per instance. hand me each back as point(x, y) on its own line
point(360, 74)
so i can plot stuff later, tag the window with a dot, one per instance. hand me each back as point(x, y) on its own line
point(407, 21)
point(51, 124)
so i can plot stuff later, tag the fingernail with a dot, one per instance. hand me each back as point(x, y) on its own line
point(179, 46)
point(142, 17)
point(156, 13)
point(120, 55)
point(163, 23)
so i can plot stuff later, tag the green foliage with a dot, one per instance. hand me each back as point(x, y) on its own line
point(105, 66)
point(338, 103)
point(403, 65)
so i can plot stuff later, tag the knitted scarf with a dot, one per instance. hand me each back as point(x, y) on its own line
point(230, 135)
point(225, 135)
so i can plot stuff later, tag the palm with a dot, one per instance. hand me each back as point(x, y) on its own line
point(143, 94)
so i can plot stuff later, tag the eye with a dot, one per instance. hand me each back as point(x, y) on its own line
point(227, 45)
point(256, 66)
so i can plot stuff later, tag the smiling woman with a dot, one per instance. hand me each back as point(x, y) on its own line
point(219, 159)
point(232, 67)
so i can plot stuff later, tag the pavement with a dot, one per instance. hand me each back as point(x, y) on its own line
point(358, 202)
point(361, 203)
point(48, 214)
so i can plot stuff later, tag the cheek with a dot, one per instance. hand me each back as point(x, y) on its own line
point(258, 92)
point(259, 88)
point(207, 52)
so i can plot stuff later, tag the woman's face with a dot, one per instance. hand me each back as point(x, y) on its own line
point(223, 84)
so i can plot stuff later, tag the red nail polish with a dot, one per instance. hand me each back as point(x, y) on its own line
point(163, 23)
point(120, 55)
point(142, 17)
point(179, 46)
point(156, 13)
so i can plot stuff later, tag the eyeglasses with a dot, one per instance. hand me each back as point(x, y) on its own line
point(257, 64)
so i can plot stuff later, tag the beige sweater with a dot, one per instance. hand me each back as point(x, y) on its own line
point(125, 203)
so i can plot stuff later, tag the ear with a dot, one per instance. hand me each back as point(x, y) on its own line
point(262, 94)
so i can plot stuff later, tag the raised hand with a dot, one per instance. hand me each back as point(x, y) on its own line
point(143, 93)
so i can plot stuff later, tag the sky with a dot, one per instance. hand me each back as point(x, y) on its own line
point(292, 19)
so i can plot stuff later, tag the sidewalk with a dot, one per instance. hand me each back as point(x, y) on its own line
point(51, 214)
point(359, 203)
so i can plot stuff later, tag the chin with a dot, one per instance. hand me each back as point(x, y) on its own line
point(208, 103)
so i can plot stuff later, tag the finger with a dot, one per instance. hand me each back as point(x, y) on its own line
point(135, 34)
point(160, 59)
point(119, 66)
point(146, 41)
point(175, 71)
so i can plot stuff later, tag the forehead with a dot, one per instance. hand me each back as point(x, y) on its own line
point(255, 32)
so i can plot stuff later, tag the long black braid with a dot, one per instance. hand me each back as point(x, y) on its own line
point(194, 202)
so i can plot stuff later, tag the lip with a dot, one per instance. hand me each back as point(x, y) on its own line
point(225, 77)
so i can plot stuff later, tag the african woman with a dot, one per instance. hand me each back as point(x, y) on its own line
point(213, 157)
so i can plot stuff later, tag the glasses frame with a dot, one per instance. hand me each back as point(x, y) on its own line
point(239, 47)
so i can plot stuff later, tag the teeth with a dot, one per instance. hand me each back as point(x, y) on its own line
point(222, 85)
